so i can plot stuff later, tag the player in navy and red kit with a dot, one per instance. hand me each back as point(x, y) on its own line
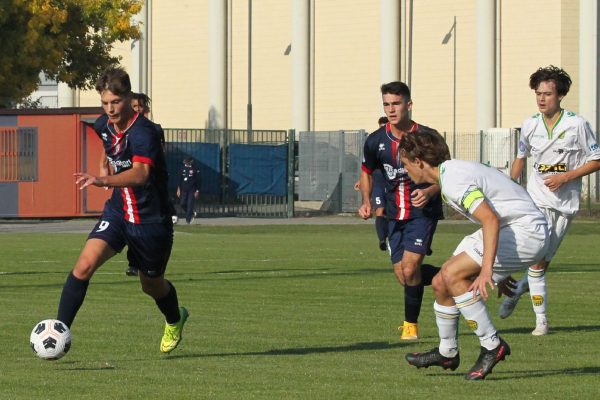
point(412, 210)
point(138, 214)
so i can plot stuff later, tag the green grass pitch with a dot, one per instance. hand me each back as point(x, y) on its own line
point(283, 312)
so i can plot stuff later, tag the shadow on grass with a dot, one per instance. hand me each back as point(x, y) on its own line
point(556, 329)
point(523, 374)
point(301, 351)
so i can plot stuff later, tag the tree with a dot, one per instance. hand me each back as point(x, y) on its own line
point(68, 40)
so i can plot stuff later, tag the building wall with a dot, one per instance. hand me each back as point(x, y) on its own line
point(346, 55)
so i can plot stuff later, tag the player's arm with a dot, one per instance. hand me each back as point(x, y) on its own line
point(137, 175)
point(104, 166)
point(553, 182)
point(517, 168)
point(420, 197)
point(366, 187)
point(491, 230)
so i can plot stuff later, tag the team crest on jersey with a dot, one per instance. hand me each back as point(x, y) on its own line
point(550, 168)
point(593, 147)
point(381, 146)
point(522, 146)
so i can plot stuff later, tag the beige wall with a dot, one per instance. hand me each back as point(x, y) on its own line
point(347, 61)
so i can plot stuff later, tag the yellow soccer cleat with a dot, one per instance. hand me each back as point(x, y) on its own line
point(173, 333)
point(409, 331)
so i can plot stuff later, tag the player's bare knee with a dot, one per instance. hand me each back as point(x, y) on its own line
point(84, 268)
point(438, 285)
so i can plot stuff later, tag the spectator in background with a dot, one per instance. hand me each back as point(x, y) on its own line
point(188, 189)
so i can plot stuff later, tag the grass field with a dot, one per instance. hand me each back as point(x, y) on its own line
point(283, 312)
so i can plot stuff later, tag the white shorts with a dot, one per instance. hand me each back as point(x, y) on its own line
point(558, 225)
point(518, 248)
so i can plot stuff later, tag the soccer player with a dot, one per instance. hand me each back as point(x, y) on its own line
point(412, 210)
point(188, 189)
point(564, 149)
point(137, 215)
point(378, 197)
point(513, 235)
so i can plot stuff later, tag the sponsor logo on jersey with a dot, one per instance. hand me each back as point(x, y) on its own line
point(550, 168)
point(392, 173)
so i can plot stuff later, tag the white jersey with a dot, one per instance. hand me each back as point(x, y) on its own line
point(569, 145)
point(465, 184)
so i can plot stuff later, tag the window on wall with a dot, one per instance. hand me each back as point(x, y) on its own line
point(18, 154)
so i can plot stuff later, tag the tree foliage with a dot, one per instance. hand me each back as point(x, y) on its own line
point(68, 40)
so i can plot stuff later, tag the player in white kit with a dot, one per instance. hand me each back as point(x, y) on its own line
point(513, 236)
point(563, 149)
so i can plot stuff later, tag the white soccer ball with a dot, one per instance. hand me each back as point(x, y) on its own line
point(50, 339)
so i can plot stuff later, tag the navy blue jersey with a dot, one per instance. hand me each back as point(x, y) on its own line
point(189, 178)
point(139, 142)
point(381, 152)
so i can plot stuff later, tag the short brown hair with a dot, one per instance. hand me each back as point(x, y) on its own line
point(561, 79)
point(114, 79)
point(425, 144)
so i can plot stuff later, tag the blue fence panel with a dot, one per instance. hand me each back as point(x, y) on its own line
point(207, 158)
point(258, 169)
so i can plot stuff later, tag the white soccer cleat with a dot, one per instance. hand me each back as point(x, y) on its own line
point(508, 305)
point(541, 327)
point(175, 219)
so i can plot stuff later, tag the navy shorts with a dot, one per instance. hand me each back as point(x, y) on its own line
point(148, 245)
point(414, 235)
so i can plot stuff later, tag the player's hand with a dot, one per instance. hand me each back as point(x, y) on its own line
point(178, 193)
point(196, 195)
point(554, 182)
point(419, 197)
point(84, 180)
point(357, 185)
point(365, 211)
point(481, 282)
point(507, 287)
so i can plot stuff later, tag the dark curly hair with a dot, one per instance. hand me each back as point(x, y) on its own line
point(561, 79)
point(425, 144)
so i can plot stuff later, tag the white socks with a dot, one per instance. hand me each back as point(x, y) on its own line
point(478, 319)
point(446, 318)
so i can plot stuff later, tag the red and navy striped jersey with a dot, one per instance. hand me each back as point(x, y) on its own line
point(381, 152)
point(139, 142)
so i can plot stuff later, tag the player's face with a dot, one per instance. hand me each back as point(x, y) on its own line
point(116, 107)
point(135, 104)
point(548, 100)
point(396, 108)
point(414, 169)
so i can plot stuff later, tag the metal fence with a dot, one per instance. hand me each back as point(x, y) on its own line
point(329, 164)
point(243, 174)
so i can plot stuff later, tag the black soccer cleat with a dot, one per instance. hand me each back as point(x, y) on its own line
point(383, 245)
point(487, 360)
point(131, 271)
point(433, 357)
